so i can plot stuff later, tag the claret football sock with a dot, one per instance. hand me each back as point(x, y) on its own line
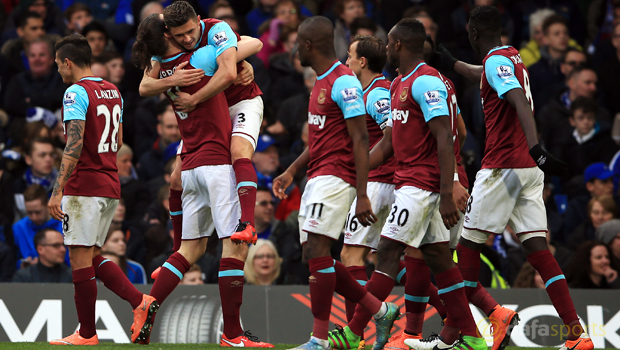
point(246, 188)
point(115, 280)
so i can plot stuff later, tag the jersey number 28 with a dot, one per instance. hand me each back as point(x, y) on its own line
point(115, 116)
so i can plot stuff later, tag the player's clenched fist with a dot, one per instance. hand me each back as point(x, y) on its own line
point(449, 211)
point(461, 196)
point(363, 211)
point(54, 207)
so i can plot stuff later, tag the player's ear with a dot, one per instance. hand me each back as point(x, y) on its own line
point(198, 18)
point(363, 62)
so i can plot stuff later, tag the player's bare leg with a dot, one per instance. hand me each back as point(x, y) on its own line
point(241, 151)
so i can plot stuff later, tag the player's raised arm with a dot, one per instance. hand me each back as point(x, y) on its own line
point(225, 41)
point(444, 60)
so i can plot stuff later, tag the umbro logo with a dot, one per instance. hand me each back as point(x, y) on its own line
point(312, 279)
point(542, 160)
point(236, 284)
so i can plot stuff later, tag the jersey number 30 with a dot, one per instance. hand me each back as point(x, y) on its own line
point(104, 145)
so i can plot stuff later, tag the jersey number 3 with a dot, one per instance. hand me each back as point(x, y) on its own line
point(115, 116)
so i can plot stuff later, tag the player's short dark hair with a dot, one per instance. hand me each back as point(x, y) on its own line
point(34, 192)
point(74, 47)
point(150, 41)
point(486, 19)
point(95, 26)
point(39, 237)
point(585, 104)
point(22, 22)
point(551, 20)
point(76, 7)
point(363, 23)
point(373, 49)
point(30, 146)
point(178, 13)
point(411, 33)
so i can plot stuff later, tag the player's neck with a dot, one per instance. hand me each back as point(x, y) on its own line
point(78, 74)
point(485, 47)
point(323, 64)
point(407, 64)
point(367, 76)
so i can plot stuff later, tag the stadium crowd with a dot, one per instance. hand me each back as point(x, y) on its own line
point(571, 48)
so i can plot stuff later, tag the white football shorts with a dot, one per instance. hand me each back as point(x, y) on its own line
point(247, 117)
point(381, 197)
point(87, 219)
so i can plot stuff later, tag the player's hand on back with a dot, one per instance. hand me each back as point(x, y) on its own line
point(246, 76)
point(547, 162)
point(461, 196)
point(184, 102)
point(186, 77)
point(363, 211)
point(281, 183)
point(443, 59)
point(449, 211)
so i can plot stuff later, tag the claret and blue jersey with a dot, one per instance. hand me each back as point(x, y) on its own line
point(336, 96)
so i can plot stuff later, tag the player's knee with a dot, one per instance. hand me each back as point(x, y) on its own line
point(192, 250)
point(240, 148)
point(352, 256)
point(533, 244)
point(438, 257)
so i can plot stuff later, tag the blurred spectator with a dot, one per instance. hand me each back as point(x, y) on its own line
point(151, 163)
point(554, 117)
point(263, 264)
point(285, 236)
point(77, 16)
point(609, 234)
point(266, 160)
point(136, 249)
point(545, 75)
point(35, 200)
point(608, 69)
point(116, 68)
point(591, 268)
point(100, 70)
point(293, 115)
point(53, 21)
point(363, 26)
point(264, 12)
point(287, 15)
point(97, 37)
point(29, 27)
point(347, 11)
point(429, 25)
point(600, 210)
point(7, 263)
point(156, 183)
point(602, 16)
point(50, 266)
point(586, 144)
point(598, 180)
point(7, 205)
point(158, 212)
point(134, 192)
point(114, 249)
point(263, 212)
point(285, 72)
point(40, 155)
point(148, 115)
point(531, 52)
point(101, 9)
point(193, 276)
point(40, 86)
point(528, 277)
point(573, 58)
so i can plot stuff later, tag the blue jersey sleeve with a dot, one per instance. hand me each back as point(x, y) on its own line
point(431, 95)
point(222, 37)
point(75, 103)
point(378, 106)
point(205, 59)
point(122, 109)
point(347, 93)
point(500, 73)
point(156, 58)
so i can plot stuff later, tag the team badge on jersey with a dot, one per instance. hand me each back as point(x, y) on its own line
point(69, 98)
point(403, 94)
point(349, 94)
point(321, 98)
point(220, 38)
point(382, 106)
point(504, 72)
point(432, 97)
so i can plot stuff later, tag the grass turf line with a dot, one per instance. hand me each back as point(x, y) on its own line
point(160, 346)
